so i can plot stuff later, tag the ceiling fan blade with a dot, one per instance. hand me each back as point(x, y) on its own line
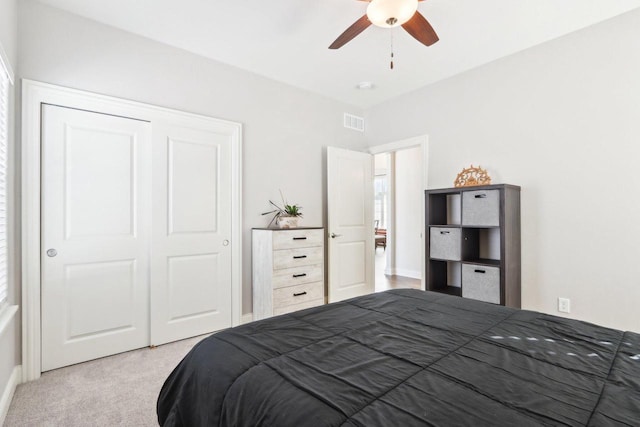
point(359, 26)
point(421, 30)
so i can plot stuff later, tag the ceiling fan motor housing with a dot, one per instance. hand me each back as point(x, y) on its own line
point(391, 13)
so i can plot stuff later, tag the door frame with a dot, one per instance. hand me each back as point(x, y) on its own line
point(421, 141)
point(34, 94)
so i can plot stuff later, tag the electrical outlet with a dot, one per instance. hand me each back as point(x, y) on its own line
point(564, 305)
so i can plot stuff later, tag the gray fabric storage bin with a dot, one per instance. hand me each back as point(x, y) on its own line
point(481, 208)
point(445, 243)
point(481, 283)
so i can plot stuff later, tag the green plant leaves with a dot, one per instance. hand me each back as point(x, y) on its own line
point(284, 210)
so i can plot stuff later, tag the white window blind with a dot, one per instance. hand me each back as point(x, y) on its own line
point(4, 143)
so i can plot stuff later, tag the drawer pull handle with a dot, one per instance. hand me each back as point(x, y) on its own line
point(299, 256)
point(300, 275)
point(300, 294)
point(299, 238)
point(480, 271)
point(480, 196)
point(445, 232)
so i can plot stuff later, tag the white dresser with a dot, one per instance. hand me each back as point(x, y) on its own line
point(288, 270)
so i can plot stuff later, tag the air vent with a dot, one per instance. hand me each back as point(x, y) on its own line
point(353, 122)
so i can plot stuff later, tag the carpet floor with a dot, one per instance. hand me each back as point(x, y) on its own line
point(120, 390)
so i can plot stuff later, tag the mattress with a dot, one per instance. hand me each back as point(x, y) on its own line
point(408, 357)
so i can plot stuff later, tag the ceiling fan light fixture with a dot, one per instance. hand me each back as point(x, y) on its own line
point(391, 13)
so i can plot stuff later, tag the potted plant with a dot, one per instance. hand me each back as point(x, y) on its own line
point(285, 216)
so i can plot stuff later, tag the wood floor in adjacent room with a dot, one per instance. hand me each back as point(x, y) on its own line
point(385, 282)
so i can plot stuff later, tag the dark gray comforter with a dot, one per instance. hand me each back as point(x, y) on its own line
point(403, 358)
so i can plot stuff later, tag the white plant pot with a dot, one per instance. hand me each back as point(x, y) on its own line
point(288, 221)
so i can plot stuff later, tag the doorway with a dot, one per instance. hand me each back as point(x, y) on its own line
point(399, 183)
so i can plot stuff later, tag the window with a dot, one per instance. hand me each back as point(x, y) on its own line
point(380, 199)
point(4, 148)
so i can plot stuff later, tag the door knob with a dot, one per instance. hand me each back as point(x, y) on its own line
point(334, 235)
point(225, 243)
point(51, 253)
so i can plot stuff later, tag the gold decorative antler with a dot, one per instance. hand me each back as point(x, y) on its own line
point(472, 176)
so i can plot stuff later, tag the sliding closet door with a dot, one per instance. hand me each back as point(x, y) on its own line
point(191, 247)
point(95, 232)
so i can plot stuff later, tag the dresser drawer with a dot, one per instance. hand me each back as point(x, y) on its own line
point(481, 283)
point(296, 307)
point(298, 294)
point(291, 239)
point(287, 258)
point(297, 275)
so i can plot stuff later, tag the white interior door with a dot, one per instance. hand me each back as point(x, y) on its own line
point(191, 247)
point(95, 260)
point(350, 223)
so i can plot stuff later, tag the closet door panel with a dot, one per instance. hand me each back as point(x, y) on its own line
point(191, 248)
point(95, 254)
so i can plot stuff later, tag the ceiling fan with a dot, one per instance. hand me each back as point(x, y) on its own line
point(389, 14)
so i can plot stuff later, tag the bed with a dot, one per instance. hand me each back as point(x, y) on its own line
point(407, 357)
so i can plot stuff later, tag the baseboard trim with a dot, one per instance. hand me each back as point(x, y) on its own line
point(405, 273)
point(9, 390)
point(246, 318)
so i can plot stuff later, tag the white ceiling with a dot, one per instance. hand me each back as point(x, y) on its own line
point(287, 40)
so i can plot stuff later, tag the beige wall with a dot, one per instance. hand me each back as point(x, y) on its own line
point(9, 29)
point(409, 197)
point(562, 120)
point(285, 129)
